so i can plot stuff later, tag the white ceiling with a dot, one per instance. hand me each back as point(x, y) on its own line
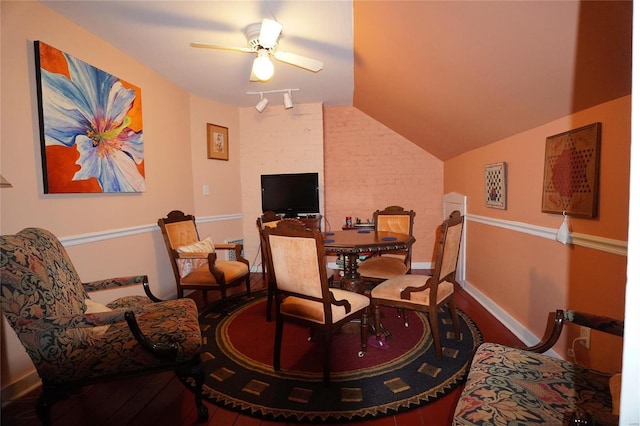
point(158, 33)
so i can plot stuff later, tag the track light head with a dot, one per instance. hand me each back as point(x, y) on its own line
point(262, 104)
point(288, 103)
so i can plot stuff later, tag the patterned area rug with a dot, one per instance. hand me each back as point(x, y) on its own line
point(238, 355)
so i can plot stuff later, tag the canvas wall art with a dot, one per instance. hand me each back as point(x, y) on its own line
point(571, 172)
point(90, 126)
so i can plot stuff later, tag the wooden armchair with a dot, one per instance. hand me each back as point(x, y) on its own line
point(427, 293)
point(297, 259)
point(389, 264)
point(74, 341)
point(507, 385)
point(195, 263)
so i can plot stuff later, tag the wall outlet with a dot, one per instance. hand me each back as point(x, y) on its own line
point(585, 337)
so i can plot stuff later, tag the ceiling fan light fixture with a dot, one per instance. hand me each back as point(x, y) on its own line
point(288, 103)
point(262, 104)
point(262, 66)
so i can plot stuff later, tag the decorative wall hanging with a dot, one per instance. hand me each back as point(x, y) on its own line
point(90, 126)
point(571, 172)
point(217, 142)
point(495, 179)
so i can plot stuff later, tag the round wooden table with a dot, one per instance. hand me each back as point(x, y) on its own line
point(353, 243)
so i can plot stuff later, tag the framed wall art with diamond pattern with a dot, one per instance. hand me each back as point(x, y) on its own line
point(572, 172)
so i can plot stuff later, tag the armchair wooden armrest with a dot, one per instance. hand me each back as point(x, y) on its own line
point(342, 302)
point(556, 322)
point(158, 349)
point(406, 293)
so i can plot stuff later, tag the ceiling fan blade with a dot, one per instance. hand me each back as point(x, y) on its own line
point(299, 61)
point(269, 33)
point(215, 46)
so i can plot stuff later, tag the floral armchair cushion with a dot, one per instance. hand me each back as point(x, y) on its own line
point(509, 386)
point(43, 299)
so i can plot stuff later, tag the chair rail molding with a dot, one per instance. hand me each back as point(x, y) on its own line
point(608, 245)
point(92, 237)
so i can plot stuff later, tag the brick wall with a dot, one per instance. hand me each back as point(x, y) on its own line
point(276, 141)
point(367, 166)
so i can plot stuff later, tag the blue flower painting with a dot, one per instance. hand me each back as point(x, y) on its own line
point(90, 126)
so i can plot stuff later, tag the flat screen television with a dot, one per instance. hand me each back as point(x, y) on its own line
point(291, 194)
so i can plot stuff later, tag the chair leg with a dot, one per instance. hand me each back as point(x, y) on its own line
point(277, 347)
point(376, 321)
point(435, 332)
point(49, 396)
point(454, 318)
point(364, 325)
point(270, 292)
point(328, 339)
point(248, 283)
point(196, 371)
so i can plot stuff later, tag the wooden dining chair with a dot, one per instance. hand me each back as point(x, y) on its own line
point(426, 293)
point(377, 269)
point(303, 296)
point(194, 261)
point(268, 220)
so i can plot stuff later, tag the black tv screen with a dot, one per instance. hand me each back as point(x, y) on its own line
point(290, 194)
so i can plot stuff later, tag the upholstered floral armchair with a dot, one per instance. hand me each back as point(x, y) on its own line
point(74, 341)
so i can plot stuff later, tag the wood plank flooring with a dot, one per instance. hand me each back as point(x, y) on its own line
point(161, 399)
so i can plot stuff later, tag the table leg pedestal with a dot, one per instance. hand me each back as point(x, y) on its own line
point(351, 280)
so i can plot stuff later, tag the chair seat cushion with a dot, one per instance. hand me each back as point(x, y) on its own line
point(313, 311)
point(513, 386)
point(392, 288)
point(232, 270)
point(382, 267)
point(116, 351)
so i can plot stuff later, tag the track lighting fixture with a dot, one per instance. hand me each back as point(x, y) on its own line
point(262, 103)
point(288, 103)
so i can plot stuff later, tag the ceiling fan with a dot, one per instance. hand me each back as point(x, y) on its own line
point(262, 39)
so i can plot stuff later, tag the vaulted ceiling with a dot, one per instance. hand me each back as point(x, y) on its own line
point(450, 76)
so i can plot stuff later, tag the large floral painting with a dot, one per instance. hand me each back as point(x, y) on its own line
point(90, 126)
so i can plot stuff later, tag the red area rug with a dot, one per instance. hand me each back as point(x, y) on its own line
point(238, 356)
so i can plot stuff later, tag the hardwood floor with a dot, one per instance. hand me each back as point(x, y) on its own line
point(161, 399)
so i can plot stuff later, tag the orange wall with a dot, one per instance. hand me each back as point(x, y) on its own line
point(369, 167)
point(175, 166)
point(526, 275)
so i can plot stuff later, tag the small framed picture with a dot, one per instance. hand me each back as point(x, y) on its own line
point(495, 179)
point(217, 142)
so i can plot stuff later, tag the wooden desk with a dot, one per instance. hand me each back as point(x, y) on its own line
point(352, 243)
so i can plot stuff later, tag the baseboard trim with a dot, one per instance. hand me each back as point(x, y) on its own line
point(20, 388)
point(521, 332)
point(608, 245)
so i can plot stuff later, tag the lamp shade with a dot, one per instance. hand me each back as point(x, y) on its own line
point(262, 66)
